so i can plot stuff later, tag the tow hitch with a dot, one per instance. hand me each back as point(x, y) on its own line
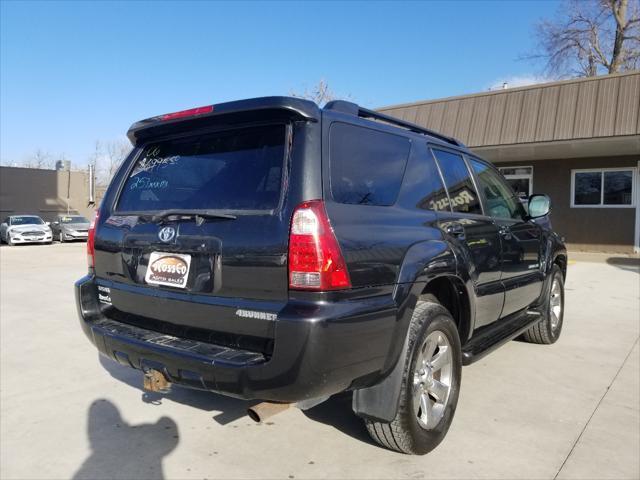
point(155, 381)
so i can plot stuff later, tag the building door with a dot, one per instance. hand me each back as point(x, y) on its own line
point(520, 179)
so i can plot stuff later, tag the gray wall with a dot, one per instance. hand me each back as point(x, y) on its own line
point(589, 229)
point(43, 192)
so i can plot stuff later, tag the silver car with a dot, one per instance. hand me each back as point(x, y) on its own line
point(17, 229)
point(70, 227)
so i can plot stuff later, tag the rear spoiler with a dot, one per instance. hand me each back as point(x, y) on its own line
point(254, 109)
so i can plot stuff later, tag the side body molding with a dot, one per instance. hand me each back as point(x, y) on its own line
point(423, 262)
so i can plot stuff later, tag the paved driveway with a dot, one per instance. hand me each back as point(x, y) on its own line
point(570, 410)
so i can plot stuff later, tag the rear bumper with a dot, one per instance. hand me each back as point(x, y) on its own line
point(320, 348)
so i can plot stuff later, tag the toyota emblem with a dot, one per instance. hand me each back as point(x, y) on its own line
point(167, 234)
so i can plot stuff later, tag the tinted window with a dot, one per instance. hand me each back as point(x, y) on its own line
point(500, 199)
point(232, 170)
point(431, 184)
point(367, 166)
point(618, 187)
point(462, 192)
point(588, 188)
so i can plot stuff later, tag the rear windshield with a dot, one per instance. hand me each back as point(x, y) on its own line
point(231, 170)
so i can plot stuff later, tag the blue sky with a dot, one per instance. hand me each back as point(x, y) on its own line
point(72, 73)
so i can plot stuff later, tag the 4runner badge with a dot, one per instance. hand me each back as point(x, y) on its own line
point(258, 315)
point(167, 234)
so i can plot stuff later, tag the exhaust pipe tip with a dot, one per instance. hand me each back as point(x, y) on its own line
point(262, 411)
point(253, 415)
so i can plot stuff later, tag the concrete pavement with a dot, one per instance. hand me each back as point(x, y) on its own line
point(570, 410)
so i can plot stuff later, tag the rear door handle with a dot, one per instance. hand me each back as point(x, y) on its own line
point(455, 229)
point(505, 232)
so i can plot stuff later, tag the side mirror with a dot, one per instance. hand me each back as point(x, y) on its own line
point(48, 223)
point(539, 205)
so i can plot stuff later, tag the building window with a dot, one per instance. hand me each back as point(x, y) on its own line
point(520, 179)
point(603, 188)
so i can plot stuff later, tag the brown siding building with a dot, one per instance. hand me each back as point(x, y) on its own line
point(43, 192)
point(577, 141)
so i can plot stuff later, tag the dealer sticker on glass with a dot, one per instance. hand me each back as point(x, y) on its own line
point(171, 269)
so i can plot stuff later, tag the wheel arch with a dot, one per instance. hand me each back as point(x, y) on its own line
point(451, 293)
point(427, 264)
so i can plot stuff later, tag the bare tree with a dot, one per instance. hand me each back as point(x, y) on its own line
point(590, 37)
point(107, 157)
point(38, 159)
point(319, 93)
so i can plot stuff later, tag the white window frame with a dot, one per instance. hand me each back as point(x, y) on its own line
point(520, 176)
point(602, 171)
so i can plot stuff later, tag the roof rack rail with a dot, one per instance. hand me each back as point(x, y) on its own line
point(354, 109)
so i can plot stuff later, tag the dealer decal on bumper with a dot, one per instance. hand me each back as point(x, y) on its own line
point(104, 295)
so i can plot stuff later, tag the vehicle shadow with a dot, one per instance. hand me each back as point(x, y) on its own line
point(630, 264)
point(335, 412)
point(231, 409)
point(120, 450)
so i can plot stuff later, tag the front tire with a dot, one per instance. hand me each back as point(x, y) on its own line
point(430, 384)
point(548, 329)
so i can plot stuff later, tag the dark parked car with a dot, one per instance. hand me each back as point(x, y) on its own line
point(70, 227)
point(269, 249)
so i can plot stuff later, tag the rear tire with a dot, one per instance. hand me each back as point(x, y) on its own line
point(430, 384)
point(548, 329)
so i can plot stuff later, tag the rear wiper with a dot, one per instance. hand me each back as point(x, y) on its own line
point(199, 215)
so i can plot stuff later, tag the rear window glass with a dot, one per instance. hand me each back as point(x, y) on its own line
point(231, 170)
point(367, 166)
point(462, 192)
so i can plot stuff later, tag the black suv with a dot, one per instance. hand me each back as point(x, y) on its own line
point(269, 249)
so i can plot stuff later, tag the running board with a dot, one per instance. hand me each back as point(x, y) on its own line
point(492, 337)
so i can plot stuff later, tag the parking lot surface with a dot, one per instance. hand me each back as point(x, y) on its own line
point(570, 410)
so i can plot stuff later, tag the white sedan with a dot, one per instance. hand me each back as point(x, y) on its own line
point(25, 229)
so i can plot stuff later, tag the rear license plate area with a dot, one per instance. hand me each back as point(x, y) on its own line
point(168, 269)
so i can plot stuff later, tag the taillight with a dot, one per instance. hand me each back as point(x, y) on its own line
point(91, 236)
point(315, 259)
point(187, 113)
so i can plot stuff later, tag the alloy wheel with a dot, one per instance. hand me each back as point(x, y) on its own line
point(432, 379)
point(555, 304)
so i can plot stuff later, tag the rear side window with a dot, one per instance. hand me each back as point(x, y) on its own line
point(367, 166)
point(231, 170)
point(457, 179)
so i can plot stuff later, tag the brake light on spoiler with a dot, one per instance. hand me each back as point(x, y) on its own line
point(315, 259)
point(187, 113)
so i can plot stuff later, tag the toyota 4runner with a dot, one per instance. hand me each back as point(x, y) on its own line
point(270, 249)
